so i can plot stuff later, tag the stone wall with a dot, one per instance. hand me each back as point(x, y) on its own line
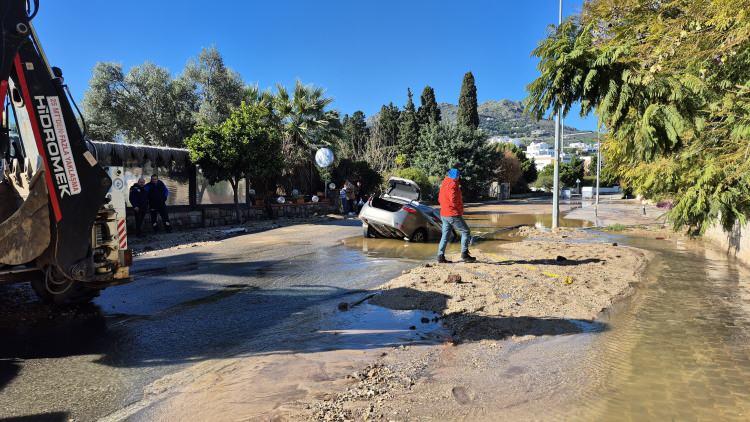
point(188, 217)
point(736, 242)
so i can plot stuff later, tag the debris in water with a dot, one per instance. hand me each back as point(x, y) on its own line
point(425, 320)
point(412, 327)
point(343, 306)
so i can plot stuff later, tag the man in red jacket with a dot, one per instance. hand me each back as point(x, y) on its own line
point(451, 212)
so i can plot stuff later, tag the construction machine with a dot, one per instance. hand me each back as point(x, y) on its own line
point(62, 219)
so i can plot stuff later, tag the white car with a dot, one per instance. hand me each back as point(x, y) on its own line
point(398, 214)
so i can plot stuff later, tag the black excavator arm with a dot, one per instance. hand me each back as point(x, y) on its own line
point(76, 185)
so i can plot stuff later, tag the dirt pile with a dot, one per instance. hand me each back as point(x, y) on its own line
point(531, 288)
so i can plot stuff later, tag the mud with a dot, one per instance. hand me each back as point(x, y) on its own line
point(152, 244)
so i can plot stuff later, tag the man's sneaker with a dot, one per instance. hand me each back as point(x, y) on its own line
point(442, 260)
point(467, 258)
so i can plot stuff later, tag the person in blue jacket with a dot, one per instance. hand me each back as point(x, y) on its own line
point(139, 201)
point(157, 202)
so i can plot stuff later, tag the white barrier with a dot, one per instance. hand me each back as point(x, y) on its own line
point(590, 191)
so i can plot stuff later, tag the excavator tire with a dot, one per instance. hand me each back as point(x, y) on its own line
point(70, 292)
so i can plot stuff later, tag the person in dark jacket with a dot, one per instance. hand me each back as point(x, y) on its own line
point(139, 201)
point(157, 202)
point(451, 212)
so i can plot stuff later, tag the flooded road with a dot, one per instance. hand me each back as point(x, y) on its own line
point(678, 349)
point(87, 363)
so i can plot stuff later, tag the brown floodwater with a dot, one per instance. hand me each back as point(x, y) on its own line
point(678, 349)
point(489, 231)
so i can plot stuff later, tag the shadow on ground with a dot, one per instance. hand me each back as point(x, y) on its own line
point(475, 327)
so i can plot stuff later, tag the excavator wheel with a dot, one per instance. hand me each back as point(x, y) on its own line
point(54, 289)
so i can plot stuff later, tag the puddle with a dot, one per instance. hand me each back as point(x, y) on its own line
point(368, 325)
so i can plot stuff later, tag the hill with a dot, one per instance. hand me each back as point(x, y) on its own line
point(507, 118)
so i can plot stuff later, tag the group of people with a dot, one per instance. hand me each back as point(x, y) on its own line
point(150, 197)
point(352, 197)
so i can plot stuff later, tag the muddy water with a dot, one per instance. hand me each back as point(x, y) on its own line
point(679, 349)
point(489, 231)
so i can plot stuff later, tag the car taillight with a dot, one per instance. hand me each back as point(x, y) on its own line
point(409, 209)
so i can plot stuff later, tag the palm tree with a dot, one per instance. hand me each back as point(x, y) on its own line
point(306, 124)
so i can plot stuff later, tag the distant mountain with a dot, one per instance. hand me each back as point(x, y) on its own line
point(507, 118)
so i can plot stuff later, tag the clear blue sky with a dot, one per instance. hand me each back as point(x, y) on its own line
point(364, 53)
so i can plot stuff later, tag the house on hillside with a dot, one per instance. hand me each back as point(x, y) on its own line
point(544, 154)
point(504, 140)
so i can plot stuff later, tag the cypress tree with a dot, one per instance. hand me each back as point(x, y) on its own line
point(429, 112)
point(388, 121)
point(354, 135)
point(408, 135)
point(468, 116)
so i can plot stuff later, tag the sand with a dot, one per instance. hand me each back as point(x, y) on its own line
point(529, 288)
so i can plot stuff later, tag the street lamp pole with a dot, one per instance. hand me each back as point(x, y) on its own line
point(556, 162)
point(598, 166)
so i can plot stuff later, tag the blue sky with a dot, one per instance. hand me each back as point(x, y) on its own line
point(364, 53)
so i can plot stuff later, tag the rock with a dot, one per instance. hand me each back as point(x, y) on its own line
point(343, 306)
point(405, 272)
point(412, 327)
point(453, 278)
point(560, 258)
point(428, 265)
point(425, 320)
point(614, 243)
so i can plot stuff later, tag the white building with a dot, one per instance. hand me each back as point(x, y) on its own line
point(537, 149)
point(583, 147)
point(543, 161)
point(544, 154)
point(504, 140)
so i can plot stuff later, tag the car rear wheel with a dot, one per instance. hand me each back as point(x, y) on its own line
point(367, 231)
point(419, 236)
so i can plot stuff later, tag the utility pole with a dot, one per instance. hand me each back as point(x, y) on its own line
point(556, 162)
point(598, 166)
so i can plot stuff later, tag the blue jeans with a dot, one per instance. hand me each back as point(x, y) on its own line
point(460, 226)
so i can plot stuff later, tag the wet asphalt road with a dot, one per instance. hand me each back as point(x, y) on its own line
point(185, 307)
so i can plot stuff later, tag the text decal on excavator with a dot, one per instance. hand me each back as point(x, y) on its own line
point(57, 145)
